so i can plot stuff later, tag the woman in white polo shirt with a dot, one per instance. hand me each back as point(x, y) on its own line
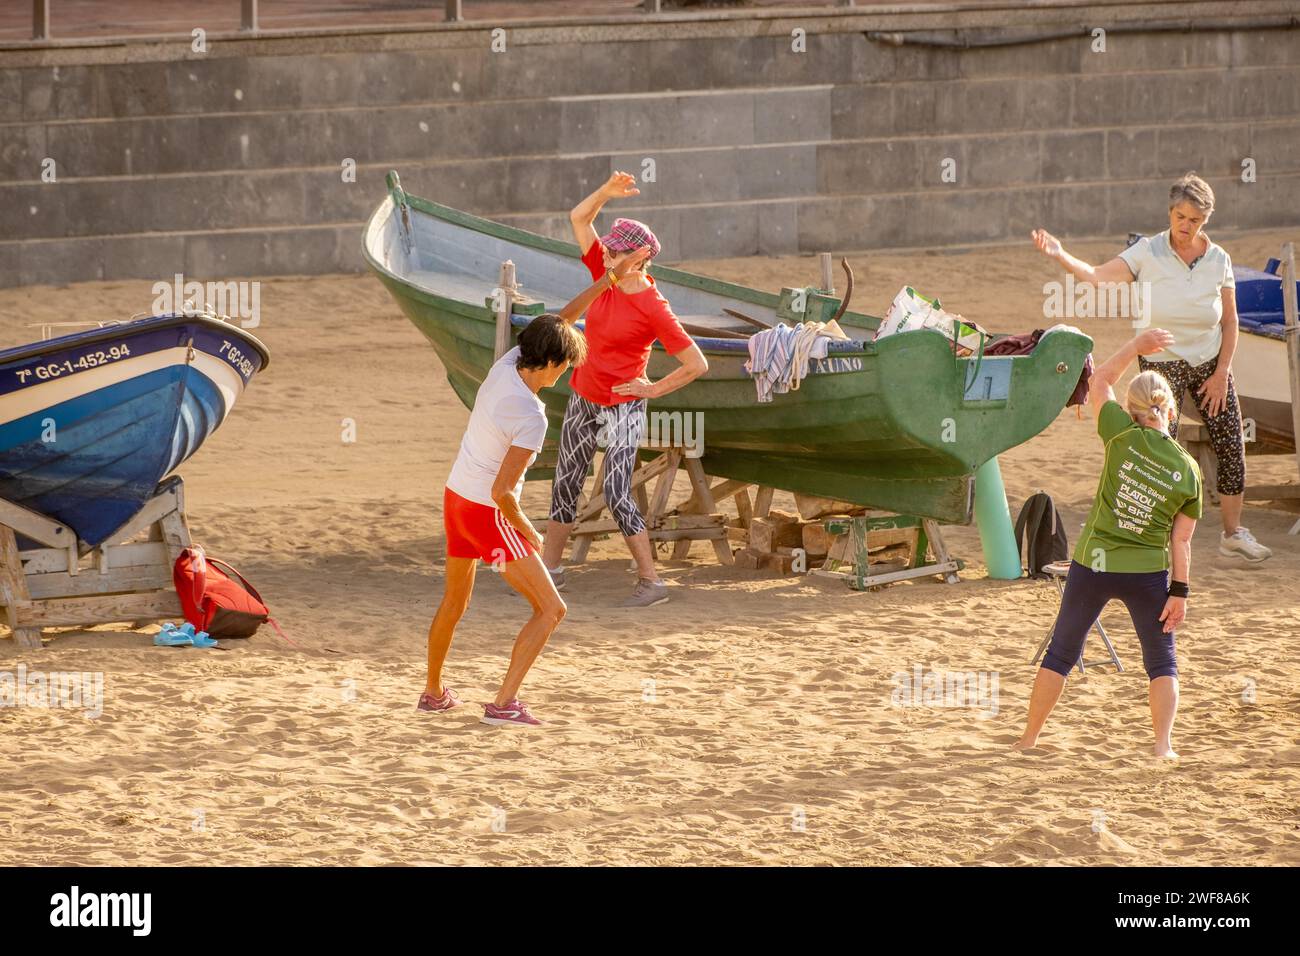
point(1192, 295)
point(480, 509)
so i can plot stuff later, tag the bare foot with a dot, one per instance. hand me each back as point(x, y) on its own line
point(1023, 744)
point(1166, 754)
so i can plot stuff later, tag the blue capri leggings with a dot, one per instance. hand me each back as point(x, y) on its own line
point(1144, 593)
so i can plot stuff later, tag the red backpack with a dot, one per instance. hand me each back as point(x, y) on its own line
point(215, 602)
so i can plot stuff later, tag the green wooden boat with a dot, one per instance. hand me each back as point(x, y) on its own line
point(900, 424)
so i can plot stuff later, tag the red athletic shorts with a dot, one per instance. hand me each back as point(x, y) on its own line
point(480, 531)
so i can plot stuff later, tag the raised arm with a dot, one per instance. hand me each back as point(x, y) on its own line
point(1116, 270)
point(1104, 376)
point(581, 217)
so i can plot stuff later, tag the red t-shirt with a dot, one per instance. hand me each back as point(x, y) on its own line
point(620, 330)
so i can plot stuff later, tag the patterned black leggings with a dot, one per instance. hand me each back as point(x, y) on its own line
point(616, 428)
point(1225, 428)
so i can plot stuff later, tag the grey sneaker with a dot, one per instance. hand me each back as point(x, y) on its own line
point(558, 578)
point(647, 594)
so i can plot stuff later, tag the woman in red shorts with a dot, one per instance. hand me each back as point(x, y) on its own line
point(481, 513)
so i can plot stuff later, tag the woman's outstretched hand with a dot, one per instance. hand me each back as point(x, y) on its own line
point(1046, 243)
point(620, 186)
point(1152, 341)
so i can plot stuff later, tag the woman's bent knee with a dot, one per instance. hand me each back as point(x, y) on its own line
point(553, 611)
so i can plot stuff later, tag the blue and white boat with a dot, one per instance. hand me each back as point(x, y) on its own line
point(91, 422)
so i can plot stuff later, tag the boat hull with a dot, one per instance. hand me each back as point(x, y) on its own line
point(902, 427)
point(1261, 374)
point(91, 423)
point(1260, 365)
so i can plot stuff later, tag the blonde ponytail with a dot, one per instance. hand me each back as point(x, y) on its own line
point(1149, 394)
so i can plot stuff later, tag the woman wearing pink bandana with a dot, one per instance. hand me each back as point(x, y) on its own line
point(610, 389)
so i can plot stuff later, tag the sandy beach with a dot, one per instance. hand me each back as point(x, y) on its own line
point(747, 721)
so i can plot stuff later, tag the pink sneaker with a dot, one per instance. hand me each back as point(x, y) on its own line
point(515, 712)
point(447, 701)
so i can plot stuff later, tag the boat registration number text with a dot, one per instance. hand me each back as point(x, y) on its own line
point(238, 359)
point(81, 363)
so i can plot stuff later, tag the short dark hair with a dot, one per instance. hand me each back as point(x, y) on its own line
point(549, 340)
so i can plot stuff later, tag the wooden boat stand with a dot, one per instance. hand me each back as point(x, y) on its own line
point(66, 583)
point(925, 537)
point(696, 520)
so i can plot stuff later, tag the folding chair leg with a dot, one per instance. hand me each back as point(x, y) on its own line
point(1042, 648)
point(1110, 649)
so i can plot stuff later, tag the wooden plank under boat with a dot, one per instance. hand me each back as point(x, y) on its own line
point(900, 424)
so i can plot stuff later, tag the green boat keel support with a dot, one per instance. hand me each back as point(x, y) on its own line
point(855, 567)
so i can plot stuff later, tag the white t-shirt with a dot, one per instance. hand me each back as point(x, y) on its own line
point(506, 413)
point(1183, 301)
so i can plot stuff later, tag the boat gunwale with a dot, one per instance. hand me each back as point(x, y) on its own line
point(151, 323)
point(562, 247)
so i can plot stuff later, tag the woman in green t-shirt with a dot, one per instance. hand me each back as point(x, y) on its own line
point(1141, 522)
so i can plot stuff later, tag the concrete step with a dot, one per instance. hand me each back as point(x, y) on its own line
point(297, 73)
point(931, 219)
point(1137, 99)
point(528, 185)
point(632, 123)
point(1058, 156)
point(154, 257)
point(227, 141)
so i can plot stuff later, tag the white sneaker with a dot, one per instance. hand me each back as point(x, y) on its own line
point(1242, 544)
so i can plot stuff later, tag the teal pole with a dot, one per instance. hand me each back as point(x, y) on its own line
point(994, 519)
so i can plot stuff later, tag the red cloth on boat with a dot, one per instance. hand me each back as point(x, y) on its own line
point(1025, 343)
point(1015, 344)
point(620, 330)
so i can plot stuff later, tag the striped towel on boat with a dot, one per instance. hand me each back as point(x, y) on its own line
point(779, 357)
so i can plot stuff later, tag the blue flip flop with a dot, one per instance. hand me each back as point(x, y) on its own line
point(183, 636)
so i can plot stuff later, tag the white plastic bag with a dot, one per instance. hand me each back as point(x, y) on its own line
point(911, 310)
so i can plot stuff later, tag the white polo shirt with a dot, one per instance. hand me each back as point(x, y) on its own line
point(506, 412)
point(1183, 301)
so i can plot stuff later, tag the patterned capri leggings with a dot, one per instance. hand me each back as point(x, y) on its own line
point(1225, 428)
point(618, 429)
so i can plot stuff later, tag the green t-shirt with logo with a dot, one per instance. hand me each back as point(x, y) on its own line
point(1148, 479)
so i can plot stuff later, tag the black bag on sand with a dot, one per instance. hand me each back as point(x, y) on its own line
point(1047, 542)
